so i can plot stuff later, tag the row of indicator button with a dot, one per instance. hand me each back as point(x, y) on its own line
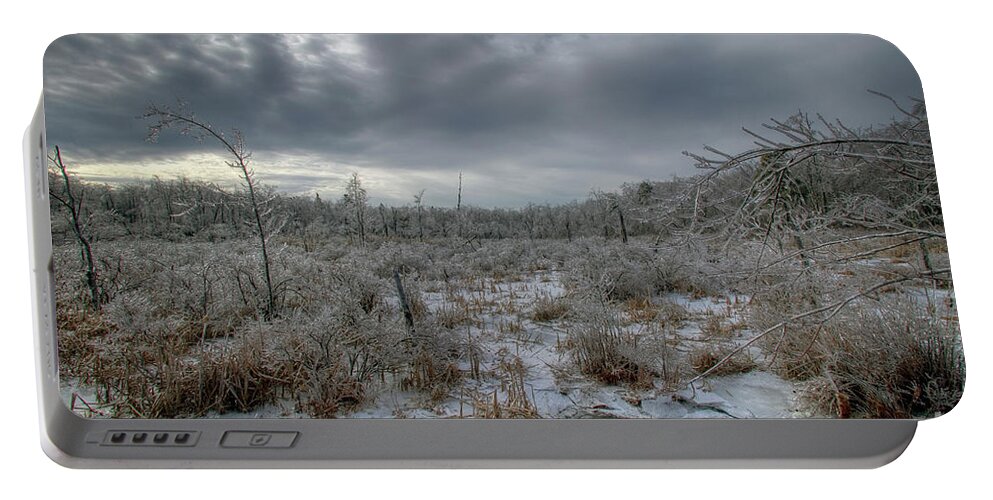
point(157, 438)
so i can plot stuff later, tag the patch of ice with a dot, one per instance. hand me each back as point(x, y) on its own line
point(756, 394)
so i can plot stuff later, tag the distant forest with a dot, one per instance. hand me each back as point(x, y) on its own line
point(190, 209)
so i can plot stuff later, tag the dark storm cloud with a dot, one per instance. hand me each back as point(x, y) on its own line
point(571, 111)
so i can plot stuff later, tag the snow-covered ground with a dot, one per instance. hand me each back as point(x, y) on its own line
point(553, 387)
point(502, 327)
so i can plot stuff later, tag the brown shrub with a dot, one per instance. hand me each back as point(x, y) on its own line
point(432, 366)
point(895, 358)
point(896, 364)
point(512, 373)
point(705, 357)
point(602, 350)
point(714, 329)
point(548, 308)
point(240, 379)
point(640, 310)
point(332, 392)
point(672, 313)
point(78, 337)
point(452, 316)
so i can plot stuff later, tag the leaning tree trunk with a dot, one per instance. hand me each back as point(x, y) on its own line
point(188, 122)
point(624, 228)
point(408, 315)
point(75, 207)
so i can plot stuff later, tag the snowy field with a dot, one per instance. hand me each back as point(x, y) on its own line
point(525, 368)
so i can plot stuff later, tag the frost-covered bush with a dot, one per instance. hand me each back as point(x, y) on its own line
point(454, 315)
point(355, 290)
point(407, 258)
point(554, 254)
point(805, 291)
point(432, 355)
point(615, 272)
point(334, 352)
point(302, 279)
point(603, 350)
point(897, 358)
point(501, 257)
point(705, 356)
point(70, 284)
point(151, 374)
point(687, 273)
point(332, 251)
point(216, 233)
point(791, 352)
point(548, 308)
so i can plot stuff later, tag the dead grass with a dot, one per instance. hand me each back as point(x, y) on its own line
point(602, 350)
point(547, 308)
point(706, 356)
point(672, 314)
point(239, 379)
point(716, 329)
point(78, 340)
point(640, 310)
point(431, 374)
point(512, 327)
point(517, 402)
point(895, 358)
point(891, 364)
point(792, 353)
point(334, 392)
point(451, 316)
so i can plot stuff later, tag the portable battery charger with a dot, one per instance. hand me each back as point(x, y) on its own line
point(486, 251)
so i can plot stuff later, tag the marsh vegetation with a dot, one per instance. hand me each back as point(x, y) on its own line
point(808, 276)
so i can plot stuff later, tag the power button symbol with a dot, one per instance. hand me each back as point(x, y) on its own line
point(252, 439)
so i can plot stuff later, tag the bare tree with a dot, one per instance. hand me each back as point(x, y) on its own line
point(356, 199)
point(458, 206)
point(830, 196)
point(419, 203)
point(71, 198)
point(611, 203)
point(790, 185)
point(200, 130)
point(458, 203)
point(382, 220)
point(616, 207)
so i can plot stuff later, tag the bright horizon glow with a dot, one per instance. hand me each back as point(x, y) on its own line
point(382, 185)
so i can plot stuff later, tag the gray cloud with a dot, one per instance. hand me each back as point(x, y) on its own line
point(517, 113)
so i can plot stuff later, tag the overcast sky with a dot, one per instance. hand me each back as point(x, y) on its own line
point(526, 118)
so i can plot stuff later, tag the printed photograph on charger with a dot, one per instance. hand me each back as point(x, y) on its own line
point(496, 226)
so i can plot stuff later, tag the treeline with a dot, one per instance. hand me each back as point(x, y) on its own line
point(815, 176)
point(183, 209)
